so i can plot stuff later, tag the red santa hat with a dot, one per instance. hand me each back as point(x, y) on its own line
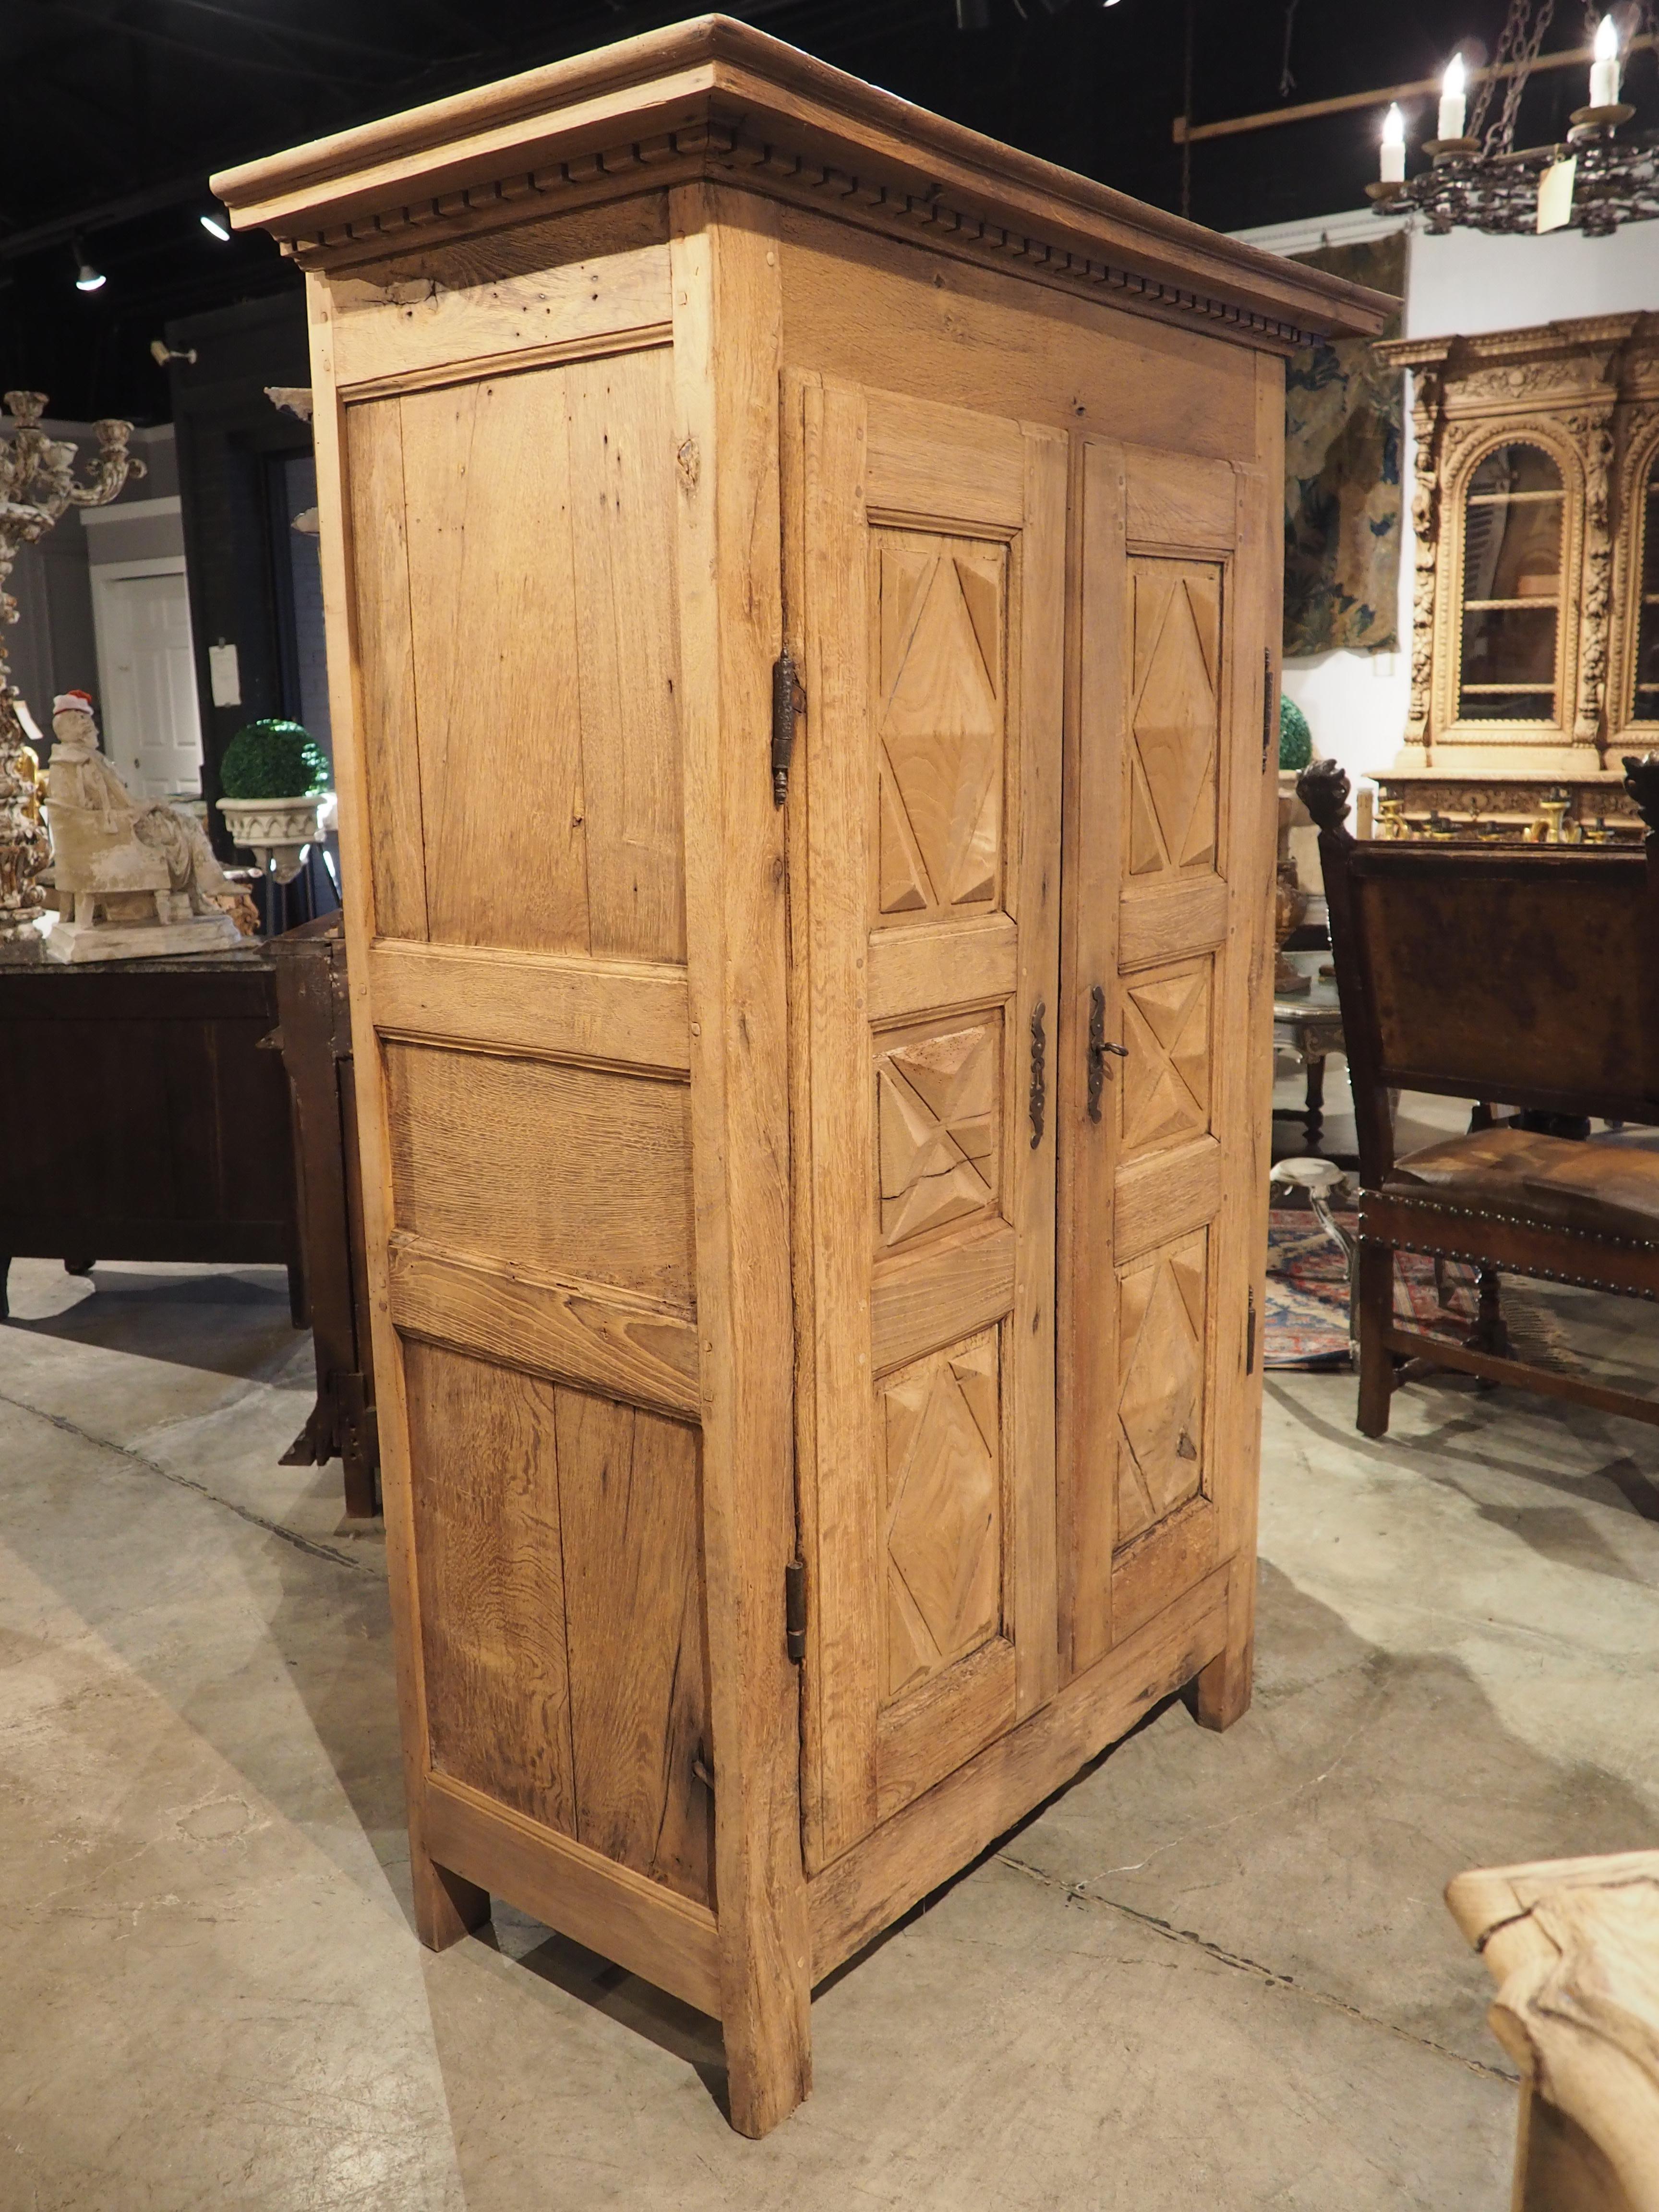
point(72, 702)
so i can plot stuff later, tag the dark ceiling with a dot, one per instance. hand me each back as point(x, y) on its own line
point(115, 111)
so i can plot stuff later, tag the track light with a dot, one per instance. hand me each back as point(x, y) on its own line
point(215, 225)
point(87, 278)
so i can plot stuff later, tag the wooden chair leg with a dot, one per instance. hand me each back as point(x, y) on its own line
point(1376, 1361)
point(1490, 1331)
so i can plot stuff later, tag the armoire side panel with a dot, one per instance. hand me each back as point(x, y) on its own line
point(563, 1611)
point(521, 721)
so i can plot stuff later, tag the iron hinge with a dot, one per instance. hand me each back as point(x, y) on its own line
point(1268, 716)
point(794, 1609)
point(1249, 1335)
point(788, 702)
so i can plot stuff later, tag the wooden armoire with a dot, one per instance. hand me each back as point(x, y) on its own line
point(802, 587)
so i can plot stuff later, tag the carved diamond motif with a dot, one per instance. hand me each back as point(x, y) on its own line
point(939, 721)
point(937, 1124)
point(1165, 1090)
point(1174, 720)
point(944, 1524)
point(1160, 1401)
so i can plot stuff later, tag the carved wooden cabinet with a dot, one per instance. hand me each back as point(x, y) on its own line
point(816, 1245)
point(1535, 633)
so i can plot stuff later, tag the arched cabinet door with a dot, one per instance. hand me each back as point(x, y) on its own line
point(929, 589)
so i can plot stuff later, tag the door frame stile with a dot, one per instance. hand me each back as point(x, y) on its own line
point(727, 307)
point(446, 1906)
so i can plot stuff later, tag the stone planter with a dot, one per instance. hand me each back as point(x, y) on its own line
point(275, 831)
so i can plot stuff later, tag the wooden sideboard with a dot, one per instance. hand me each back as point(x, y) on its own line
point(803, 586)
point(143, 1121)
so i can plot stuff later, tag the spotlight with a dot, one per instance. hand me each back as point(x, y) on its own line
point(87, 278)
point(215, 226)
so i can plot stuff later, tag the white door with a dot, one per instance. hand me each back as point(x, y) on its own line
point(152, 728)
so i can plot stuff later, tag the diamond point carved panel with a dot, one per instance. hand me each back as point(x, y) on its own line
point(940, 721)
point(1160, 1407)
point(1174, 718)
point(1164, 1094)
point(938, 1127)
point(944, 1534)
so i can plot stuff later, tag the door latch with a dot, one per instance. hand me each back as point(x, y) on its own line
point(1268, 718)
point(1098, 1049)
point(1038, 1100)
point(788, 702)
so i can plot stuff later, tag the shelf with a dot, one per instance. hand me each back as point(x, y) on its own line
point(1526, 606)
point(1511, 498)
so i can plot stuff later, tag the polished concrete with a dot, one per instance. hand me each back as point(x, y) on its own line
point(1216, 1971)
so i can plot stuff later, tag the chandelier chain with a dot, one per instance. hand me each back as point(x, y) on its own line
point(1518, 48)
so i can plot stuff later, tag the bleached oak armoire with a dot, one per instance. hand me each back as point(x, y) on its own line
point(802, 587)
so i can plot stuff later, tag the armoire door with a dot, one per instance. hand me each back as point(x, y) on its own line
point(1165, 914)
point(925, 581)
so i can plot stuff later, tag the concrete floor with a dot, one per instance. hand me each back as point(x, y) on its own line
point(1215, 1971)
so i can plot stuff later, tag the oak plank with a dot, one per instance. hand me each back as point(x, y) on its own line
point(938, 966)
point(1035, 885)
point(923, 1299)
point(1165, 1194)
point(491, 565)
point(610, 1200)
point(630, 1510)
point(616, 1013)
point(727, 360)
point(1173, 1556)
point(927, 460)
point(930, 1731)
point(621, 421)
point(488, 1548)
point(381, 628)
point(446, 1905)
point(1180, 500)
point(666, 1939)
point(878, 1879)
point(1161, 925)
point(594, 298)
point(645, 1355)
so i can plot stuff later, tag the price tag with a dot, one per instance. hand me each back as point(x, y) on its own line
point(1555, 194)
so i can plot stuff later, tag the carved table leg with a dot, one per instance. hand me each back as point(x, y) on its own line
point(1315, 1114)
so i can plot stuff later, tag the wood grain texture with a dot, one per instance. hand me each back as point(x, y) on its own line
point(610, 1198)
point(383, 696)
point(668, 1939)
point(1165, 1194)
point(451, 329)
point(879, 1879)
point(487, 1545)
point(630, 1514)
point(1179, 1552)
point(1087, 1164)
point(539, 512)
point(612, 1013)
point(643, 1354)
point(942, 1722)
point(939, 965)
point(1160, 925)
point(922, 1300)
point(382, 856)
point(728, 358)
point(1180, 500)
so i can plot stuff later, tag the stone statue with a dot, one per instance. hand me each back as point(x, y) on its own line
point(133, 880)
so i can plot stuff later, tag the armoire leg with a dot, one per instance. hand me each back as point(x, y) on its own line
point(445, 1907)
point(1221, 1690)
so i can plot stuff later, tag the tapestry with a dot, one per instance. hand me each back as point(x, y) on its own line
point(1343, 514)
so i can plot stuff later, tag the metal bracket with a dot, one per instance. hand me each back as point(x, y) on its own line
point(788, 703)
point(1267, 715)
point(1249, 1335)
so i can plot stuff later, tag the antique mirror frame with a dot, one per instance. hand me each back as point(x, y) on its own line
point(1641, 460)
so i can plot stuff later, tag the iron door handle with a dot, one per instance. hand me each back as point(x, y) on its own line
point(1098, 1049)
point(1038, 1099)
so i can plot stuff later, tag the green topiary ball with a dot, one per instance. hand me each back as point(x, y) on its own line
point(1295, 737)
point(273, 759)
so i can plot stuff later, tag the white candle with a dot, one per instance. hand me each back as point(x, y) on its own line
point(1394, 148)
point(1604, 69)
point(1451, 100)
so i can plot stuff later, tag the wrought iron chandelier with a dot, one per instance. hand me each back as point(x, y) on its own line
point(1477, 181)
